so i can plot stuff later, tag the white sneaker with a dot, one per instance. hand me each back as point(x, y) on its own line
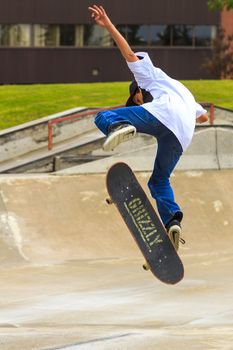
point(174, 235)
point(120, 134)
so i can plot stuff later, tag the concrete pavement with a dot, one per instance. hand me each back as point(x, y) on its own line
point(71, 275)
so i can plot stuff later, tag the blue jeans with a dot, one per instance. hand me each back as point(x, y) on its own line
point(168, 153)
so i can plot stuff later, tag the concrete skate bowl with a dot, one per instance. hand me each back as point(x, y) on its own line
point(71, 275)
point(50, 219)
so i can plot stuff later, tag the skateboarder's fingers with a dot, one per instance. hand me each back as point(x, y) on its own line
point(94, 11)
point(103, 10)
point(98, 9)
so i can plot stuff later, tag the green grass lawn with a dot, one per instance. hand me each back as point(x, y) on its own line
point(23, 103)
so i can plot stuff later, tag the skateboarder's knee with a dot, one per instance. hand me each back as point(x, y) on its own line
point(102, 121)
point(155, 181)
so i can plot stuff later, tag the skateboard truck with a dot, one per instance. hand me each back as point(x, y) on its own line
point(109, 200)
point(146, 266)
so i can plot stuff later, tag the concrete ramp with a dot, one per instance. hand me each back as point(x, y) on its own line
point(71, 275)
point(55, 219)
point(50, 219)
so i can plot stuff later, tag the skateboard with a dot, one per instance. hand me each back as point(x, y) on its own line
point(144, 224)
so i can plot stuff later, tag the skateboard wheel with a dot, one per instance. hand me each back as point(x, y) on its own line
point(145, 266)
point(109, 200)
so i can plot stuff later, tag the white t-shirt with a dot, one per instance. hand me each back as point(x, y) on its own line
point(173, 104)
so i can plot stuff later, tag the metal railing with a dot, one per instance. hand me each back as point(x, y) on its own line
point(51, 123)
point(209, 105)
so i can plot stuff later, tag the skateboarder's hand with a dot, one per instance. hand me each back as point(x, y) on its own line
point(202, 119)
point(100, 16)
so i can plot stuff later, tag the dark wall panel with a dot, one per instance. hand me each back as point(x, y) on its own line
point(121, 11)
point(34, 65)
point(74, 65)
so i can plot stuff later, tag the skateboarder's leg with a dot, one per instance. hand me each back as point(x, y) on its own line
point(121, 124)
point(135, 115)
point(168, 154)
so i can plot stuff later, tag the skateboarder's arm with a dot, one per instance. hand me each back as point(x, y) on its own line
point(101, 18)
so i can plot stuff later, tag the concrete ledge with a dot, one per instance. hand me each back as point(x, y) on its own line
point(201, 154)
point(225, 148)
point(211, 148)
point(42, 120)
point(32, 136)
point(223, 114)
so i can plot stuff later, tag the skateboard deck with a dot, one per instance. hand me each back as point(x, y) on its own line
point(143, 223)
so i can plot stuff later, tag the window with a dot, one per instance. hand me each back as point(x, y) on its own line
point(146, 35)
point(15, 35)
point(160, 35)
point(138, 35)
point(4, 35)
point(96, 36)
point(80, 35)
point(204, 35)
point(46, 35)
point(67, 35)
point(122, 29)
point(157, 35)
point(182, 35)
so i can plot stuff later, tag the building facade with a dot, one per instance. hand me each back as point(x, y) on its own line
point(56, 41)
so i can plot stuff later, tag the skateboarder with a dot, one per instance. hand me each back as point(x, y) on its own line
point(160, 106)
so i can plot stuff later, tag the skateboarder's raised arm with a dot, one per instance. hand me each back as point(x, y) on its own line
point(101, 18)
